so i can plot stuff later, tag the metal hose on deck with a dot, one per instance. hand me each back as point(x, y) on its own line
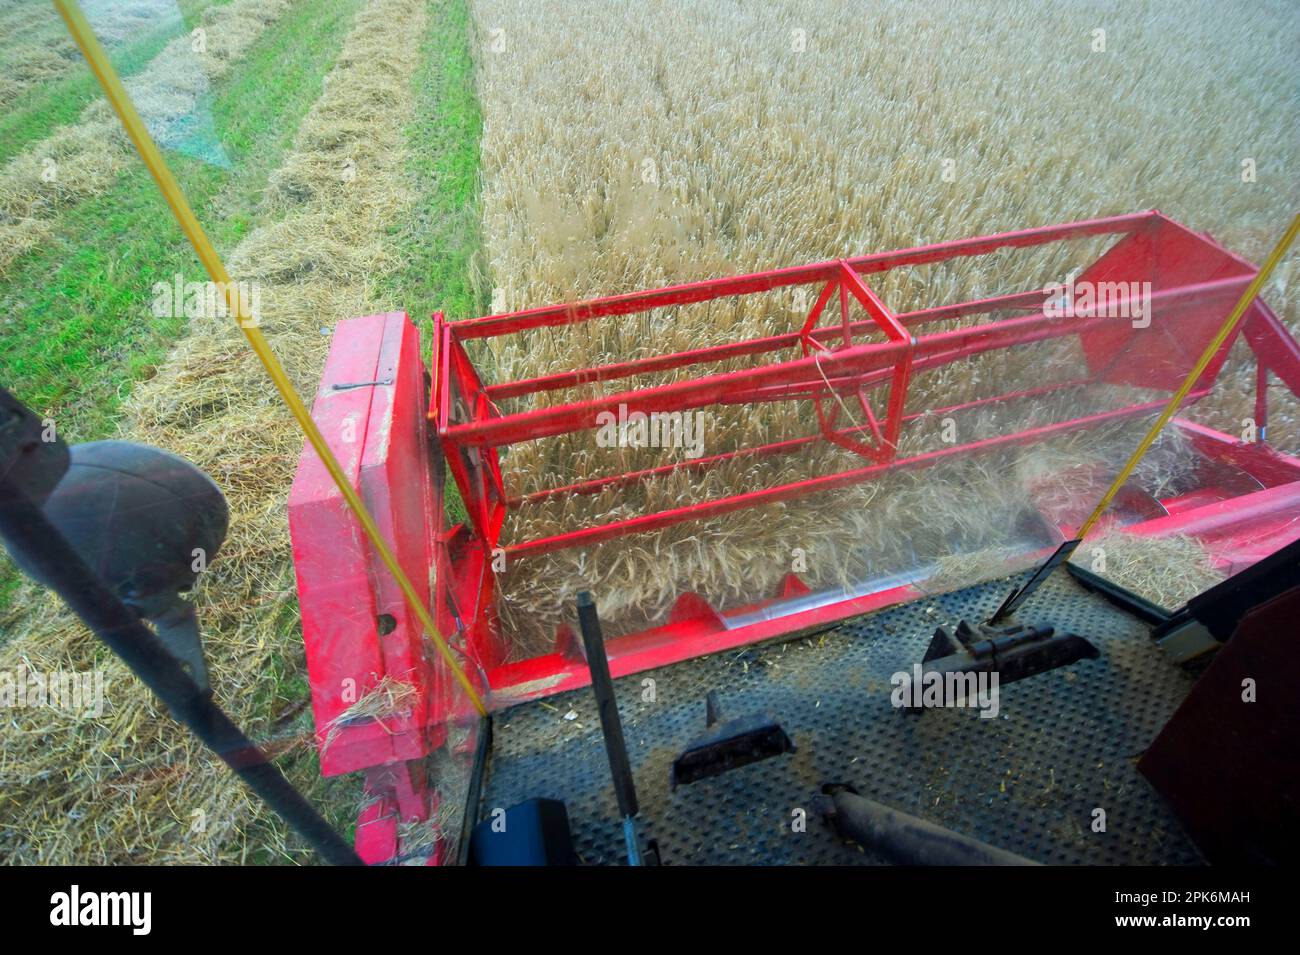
point(908, 840)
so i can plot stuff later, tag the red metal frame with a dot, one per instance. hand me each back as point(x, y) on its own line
point(1194, 281)
point(357, 628)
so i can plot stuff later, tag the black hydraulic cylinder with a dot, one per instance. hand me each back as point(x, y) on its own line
point(909, 840)
point(603, 686)
point(26, 530)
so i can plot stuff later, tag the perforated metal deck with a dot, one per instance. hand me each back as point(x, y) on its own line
point(1063, 745)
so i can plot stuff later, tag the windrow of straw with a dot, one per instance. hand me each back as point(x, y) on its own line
point(128, 786)
point(38, 48)
point(80, 161)
point(629, 146)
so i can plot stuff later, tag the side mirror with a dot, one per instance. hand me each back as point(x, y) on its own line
point(145, 521)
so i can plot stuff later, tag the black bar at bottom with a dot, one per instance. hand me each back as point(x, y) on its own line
point(1017, 597)
point(603, 686)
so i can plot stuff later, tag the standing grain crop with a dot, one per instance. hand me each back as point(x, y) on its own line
point(628, 145)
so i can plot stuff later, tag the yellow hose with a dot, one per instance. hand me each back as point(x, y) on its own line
point(153, 160)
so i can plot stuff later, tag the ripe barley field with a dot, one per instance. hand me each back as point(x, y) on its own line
point(628, 145)
point(502, 154)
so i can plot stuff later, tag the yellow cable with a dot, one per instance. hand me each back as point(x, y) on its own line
point(144, 144)
point(1198, 369)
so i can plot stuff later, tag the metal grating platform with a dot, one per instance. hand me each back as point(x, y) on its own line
point(1064, 743)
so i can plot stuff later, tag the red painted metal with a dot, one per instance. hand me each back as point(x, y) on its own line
point(672, 643)
point(632, 302)
point(1031, 301)
point(346, 597)
point(357, 629)
point(826, 482)
point(868, 364)
point(594, 485)
point(1191, 283)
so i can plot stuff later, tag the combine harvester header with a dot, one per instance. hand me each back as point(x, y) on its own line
point(1153, 323)
point(408, 424)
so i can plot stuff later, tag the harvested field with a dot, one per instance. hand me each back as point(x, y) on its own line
point(79, 323)
point(39, 49)
point(81, 160)
point(127, 787)
point(634, 145)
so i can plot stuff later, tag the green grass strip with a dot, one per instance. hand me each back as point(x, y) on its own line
point(76, 314)
point(39, 111)
point(441, 244)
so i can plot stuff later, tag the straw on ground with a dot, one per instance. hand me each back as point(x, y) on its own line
point(81, 160)
point(128, 786)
